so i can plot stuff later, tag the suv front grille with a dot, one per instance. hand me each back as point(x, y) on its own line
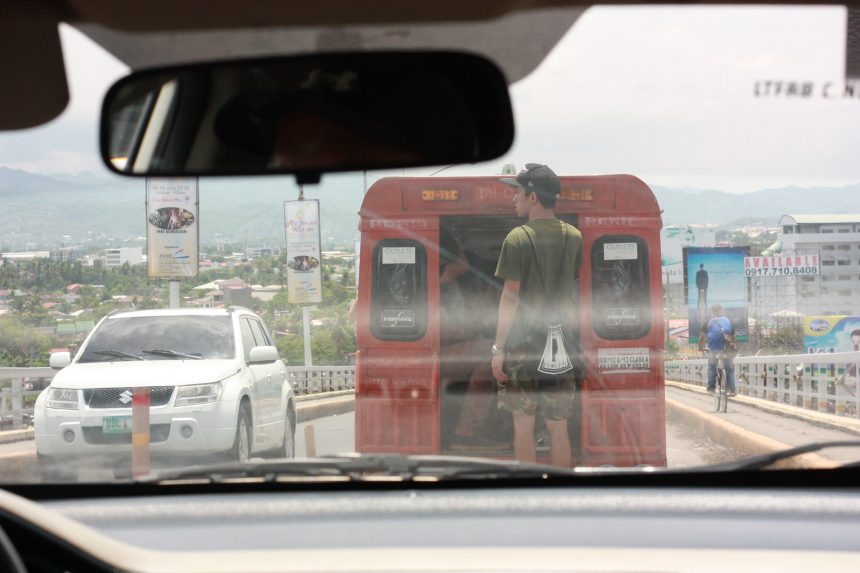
point(121, 397)
point(95, 435)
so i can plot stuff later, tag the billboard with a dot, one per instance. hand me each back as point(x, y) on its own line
point(825, 334)
point(172, 227)
point(304, 263)
point(781, 266)
point(716, 276)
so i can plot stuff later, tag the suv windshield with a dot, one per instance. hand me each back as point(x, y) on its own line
point(197, 336)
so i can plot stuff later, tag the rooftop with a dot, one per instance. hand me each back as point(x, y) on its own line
point(819, 219)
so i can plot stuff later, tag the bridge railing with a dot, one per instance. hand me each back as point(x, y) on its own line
point(19, 388)
point(827, 383)
point(321, 379)
point(17, 397)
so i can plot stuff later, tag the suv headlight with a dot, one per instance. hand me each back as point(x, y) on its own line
point(198, 394)
point(63, 399)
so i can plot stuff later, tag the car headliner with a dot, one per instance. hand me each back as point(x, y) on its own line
point(143, 34)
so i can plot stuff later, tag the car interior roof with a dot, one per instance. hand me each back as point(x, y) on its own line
point(162, 32)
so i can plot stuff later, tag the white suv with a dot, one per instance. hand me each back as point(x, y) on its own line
point(217, 386)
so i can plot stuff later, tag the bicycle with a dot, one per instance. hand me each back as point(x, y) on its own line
point(721, 387)
point(721, 391)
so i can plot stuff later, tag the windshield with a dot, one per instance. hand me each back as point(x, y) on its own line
point(198, 336)
point(666, 263)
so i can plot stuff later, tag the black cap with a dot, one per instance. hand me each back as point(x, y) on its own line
point(538, 178)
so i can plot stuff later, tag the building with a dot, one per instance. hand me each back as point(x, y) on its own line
point(237, 292)
point(74, 330)
point(835, 241)
point(25, 256)
point(258, 252)
point(68, 254)
point(115, 258)
point(673, 239)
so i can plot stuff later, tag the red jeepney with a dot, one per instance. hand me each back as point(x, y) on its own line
point(405, 403)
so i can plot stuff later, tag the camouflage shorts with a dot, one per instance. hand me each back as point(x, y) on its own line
point(523, 395)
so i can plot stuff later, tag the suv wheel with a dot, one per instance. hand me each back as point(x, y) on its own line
point(241, 451)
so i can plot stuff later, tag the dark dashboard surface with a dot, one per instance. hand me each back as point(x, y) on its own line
point(540, 517)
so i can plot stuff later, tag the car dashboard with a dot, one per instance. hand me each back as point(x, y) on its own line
point(453, 527)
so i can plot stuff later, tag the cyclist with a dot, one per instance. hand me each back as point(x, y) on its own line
point(719, 335)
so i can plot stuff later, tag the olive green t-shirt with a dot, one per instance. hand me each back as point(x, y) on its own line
point(546, 273)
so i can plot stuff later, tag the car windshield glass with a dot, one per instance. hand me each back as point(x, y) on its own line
point(662, 272)
point(152, 338)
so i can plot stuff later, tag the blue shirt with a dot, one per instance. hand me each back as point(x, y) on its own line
point(716, 341)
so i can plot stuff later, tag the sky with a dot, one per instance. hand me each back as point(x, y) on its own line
point(667, 94)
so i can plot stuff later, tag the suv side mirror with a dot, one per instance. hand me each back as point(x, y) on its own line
point(263, 355)
point(60, 360)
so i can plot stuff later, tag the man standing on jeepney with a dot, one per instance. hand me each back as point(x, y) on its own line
point(540, 257)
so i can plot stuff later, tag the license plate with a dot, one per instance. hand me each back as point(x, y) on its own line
point(116, 424)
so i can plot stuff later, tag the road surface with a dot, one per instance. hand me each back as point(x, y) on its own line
point(335, 435)
point(788, 430)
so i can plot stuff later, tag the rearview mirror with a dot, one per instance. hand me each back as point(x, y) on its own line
point(308, 115)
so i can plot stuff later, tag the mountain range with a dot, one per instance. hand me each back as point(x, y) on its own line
point(38, 211)
point(764, 206)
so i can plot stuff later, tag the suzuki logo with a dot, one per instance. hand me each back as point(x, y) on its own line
point(126, 397)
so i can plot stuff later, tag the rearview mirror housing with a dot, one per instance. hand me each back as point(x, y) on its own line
point(307, 115)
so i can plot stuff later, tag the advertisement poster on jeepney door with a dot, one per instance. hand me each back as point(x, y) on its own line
point(172, 227)
point(304, 270)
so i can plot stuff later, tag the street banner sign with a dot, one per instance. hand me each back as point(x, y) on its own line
point(172, 227)
point(304, 270)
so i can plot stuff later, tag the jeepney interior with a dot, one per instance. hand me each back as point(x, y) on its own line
point(480, 239)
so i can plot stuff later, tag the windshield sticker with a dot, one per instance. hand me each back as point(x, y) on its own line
point(620, 251)
point(398, 255)
point(623, 360)
point(398, 318)
point(804, 89)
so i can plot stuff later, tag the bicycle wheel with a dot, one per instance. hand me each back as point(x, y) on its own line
point(721, 399)
point(719, 389)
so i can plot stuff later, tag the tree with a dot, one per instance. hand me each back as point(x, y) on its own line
point(291, 348)
point(673, 349)
point(784, 339)
point(22, 345)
